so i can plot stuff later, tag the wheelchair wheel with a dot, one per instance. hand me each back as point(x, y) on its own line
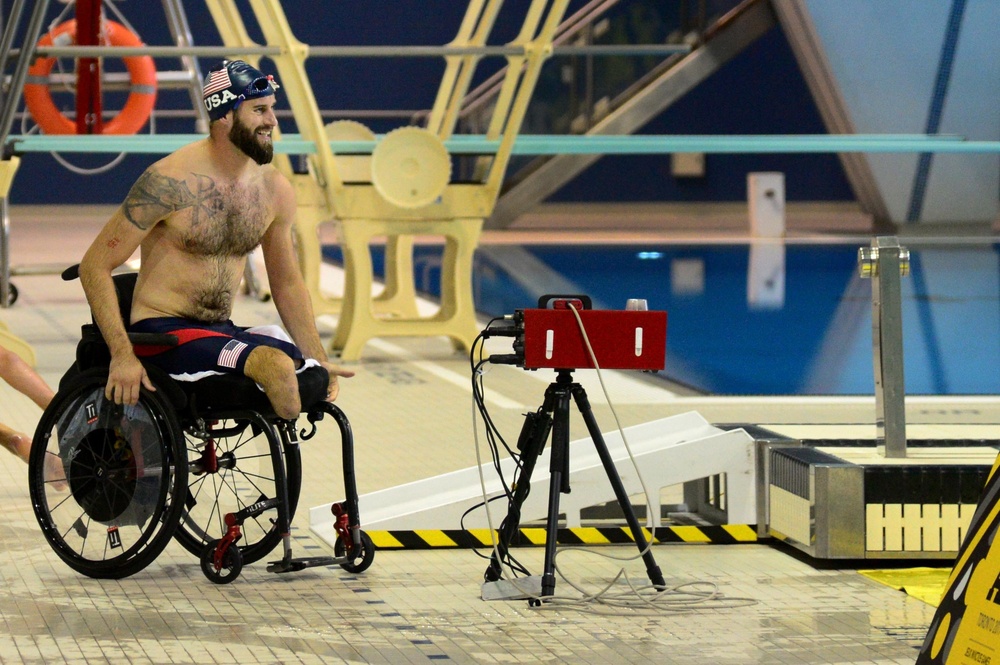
point(230, 566)
point(106, 480)
point(246, 454)
point(362, 560)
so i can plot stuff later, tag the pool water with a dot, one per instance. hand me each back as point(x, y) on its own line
point(768, 319)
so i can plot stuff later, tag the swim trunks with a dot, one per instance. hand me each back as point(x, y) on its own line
point(207, 349)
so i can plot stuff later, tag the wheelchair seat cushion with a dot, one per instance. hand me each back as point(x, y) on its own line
point(224, 392)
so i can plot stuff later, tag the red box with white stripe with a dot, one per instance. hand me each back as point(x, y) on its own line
point(621, 339)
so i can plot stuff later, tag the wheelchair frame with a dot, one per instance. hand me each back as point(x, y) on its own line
point(112, 484)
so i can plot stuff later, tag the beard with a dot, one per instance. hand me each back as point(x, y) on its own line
point(243, 138)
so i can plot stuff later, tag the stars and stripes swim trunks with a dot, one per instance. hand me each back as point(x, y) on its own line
point(205, 349)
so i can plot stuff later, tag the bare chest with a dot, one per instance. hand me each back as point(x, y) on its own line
point(226, 221)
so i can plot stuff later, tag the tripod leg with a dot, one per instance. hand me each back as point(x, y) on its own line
point(558, 482)
point(534, 433)
point(652, 570)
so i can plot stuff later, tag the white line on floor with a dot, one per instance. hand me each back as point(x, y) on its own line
point(443, 373)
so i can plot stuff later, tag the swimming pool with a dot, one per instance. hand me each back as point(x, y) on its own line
point(766, 319)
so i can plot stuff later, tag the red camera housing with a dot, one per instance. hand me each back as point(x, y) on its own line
point(621, 339)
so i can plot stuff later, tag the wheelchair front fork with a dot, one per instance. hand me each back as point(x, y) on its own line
point(286, 429)
point(349, 508)
point(358, 549)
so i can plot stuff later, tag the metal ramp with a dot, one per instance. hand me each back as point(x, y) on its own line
point(670, 451)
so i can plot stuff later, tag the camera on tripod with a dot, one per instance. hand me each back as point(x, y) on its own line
point(551, 336)
point(564, 333)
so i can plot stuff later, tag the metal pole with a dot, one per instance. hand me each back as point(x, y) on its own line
point(89, 107)
point(31, 35)
point(886, 262)
point(357, 51)
point(10, 27)
point(155, 51)
point(4, 252)
point(181, 32)
point(7, 110)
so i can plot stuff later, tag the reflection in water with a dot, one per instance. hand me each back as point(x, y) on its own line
point(774, 319)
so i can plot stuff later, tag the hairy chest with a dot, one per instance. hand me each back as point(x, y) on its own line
point(223, 220)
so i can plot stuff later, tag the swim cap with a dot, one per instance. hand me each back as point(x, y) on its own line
point(232, 81)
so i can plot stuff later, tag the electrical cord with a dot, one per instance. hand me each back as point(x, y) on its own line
point(645, 598)
point(493, 436)
point(680, 597)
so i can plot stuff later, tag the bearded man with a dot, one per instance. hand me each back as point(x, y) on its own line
point(195, 215)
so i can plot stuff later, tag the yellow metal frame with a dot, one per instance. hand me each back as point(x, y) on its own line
point(363, 214)
point(8, 340)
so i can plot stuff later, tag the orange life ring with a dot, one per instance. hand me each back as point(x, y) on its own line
point(141, 70)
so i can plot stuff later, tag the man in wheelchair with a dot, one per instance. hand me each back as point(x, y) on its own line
point(209, 464)
point(196, 215)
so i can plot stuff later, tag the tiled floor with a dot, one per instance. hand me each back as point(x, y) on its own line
point(410, 410)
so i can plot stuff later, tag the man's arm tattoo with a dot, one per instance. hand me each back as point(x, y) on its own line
point(154, 196)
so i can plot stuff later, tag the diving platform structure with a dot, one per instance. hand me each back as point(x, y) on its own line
point(400, 185)
point(408, 191)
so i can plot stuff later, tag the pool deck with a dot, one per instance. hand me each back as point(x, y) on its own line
point(410, 408)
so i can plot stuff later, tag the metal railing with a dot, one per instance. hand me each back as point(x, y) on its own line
point(588, 89)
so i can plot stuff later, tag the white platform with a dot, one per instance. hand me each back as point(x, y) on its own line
point(669, 451)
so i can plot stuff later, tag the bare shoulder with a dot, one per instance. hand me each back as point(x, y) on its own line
point(281, 191)
point(277, 183)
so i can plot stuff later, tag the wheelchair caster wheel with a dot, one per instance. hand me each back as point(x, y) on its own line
point(11, 295)
point(362, 560)
point(232, 563)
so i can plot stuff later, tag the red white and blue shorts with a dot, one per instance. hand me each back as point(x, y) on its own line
point(206, 349)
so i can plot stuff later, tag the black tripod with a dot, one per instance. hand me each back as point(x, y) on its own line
point(554, 416)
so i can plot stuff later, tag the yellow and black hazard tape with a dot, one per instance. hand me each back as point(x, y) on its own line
point(473, 538)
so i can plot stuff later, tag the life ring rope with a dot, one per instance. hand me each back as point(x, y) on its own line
point(142, 75)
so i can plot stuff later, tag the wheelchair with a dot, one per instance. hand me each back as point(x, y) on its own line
point(207, 463)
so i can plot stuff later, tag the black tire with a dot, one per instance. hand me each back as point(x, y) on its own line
point(232, 563)
point(362, 560)
point(107, 481)
point(246, 475)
